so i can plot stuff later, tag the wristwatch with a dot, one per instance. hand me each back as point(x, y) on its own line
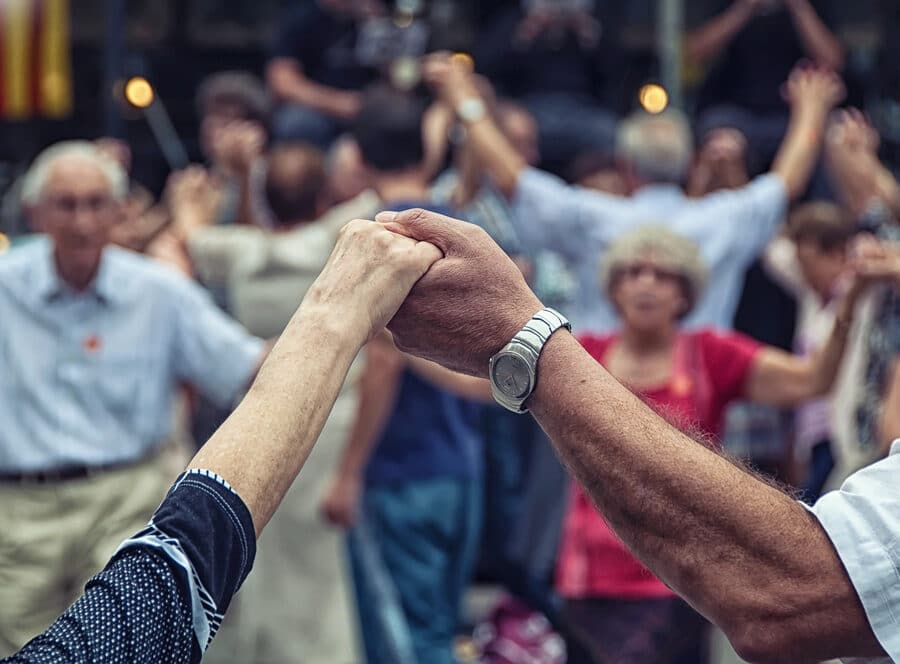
point(513, 370)
point(470, 110)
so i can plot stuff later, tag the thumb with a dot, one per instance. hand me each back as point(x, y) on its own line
point(451, 236)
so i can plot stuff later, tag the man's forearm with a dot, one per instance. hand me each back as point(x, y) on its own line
point(742, 552)
point(264, 443)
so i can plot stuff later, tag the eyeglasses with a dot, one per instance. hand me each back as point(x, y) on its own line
point(636, 270)
point(69, 205)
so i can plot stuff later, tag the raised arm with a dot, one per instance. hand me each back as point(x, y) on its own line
point(711, 38)
point(783, 379)
point(455, 84)
point(742, 552)
point(820, 44)
point(851, 155)
point(812, 93)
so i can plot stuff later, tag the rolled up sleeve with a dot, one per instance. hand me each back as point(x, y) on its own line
point(862, 519)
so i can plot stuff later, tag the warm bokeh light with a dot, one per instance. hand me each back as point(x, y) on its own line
point(4, 243)
point(463, 60)
point(654, 98)
point(139, 92)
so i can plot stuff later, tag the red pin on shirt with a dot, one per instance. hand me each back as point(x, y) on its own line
point(91, 343)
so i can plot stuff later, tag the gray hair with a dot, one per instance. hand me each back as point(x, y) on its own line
point(669, 249)
point(35, 180)
point(659, 147)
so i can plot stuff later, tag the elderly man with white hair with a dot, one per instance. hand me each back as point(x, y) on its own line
point(731, 227)
point(94, 342)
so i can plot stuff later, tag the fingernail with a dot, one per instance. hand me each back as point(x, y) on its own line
point(385, 217)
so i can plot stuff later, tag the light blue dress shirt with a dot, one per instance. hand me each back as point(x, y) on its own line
point(862, 519)
point(89, 378)
point(731, 228)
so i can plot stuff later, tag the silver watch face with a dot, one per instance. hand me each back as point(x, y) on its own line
point(511, 376)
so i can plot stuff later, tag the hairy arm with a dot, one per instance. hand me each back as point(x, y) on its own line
point(742, 552)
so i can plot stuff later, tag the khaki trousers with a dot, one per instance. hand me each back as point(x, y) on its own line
point(54, 537)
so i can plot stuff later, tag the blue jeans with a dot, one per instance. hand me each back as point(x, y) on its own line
point(412, 554)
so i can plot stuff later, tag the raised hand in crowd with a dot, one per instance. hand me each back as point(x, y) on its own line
point(239, 145)
point(856, 173)
point(194, 197)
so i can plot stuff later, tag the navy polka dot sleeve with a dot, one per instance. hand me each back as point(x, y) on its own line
point(163, 595)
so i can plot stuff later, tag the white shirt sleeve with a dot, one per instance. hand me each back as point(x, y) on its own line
point(862, 520)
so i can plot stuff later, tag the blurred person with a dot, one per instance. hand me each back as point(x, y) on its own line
point(324, 53)
point(785, 582)
point(597, 170)
point(408, 484)
point(752, 46)
point(162, 596)
point(731, 226)
point(721, 163)
point(654, 277)
point(138, 225)
point(558, 59)
point(872, 194)
point(94, 343)
point(810, 261)
point(264, 273)
point(346, 177)
point(235, 112)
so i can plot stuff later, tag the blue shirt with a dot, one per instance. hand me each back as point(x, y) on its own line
point(164, 593)
point(88, 378)
point(430, 432)
point(731, 227)
point(862, 520)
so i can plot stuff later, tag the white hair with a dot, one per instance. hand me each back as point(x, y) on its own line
point(35, 180)
point(658, 147)
point(668, 248)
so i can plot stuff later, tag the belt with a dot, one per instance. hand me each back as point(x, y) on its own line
point(64, 473)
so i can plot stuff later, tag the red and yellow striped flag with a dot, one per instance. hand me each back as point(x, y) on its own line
point(35, 59)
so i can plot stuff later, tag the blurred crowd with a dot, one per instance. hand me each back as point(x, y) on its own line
point(737, 267)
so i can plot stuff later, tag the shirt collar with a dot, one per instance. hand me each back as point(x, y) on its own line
point(660, 191)
point(50, 286)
